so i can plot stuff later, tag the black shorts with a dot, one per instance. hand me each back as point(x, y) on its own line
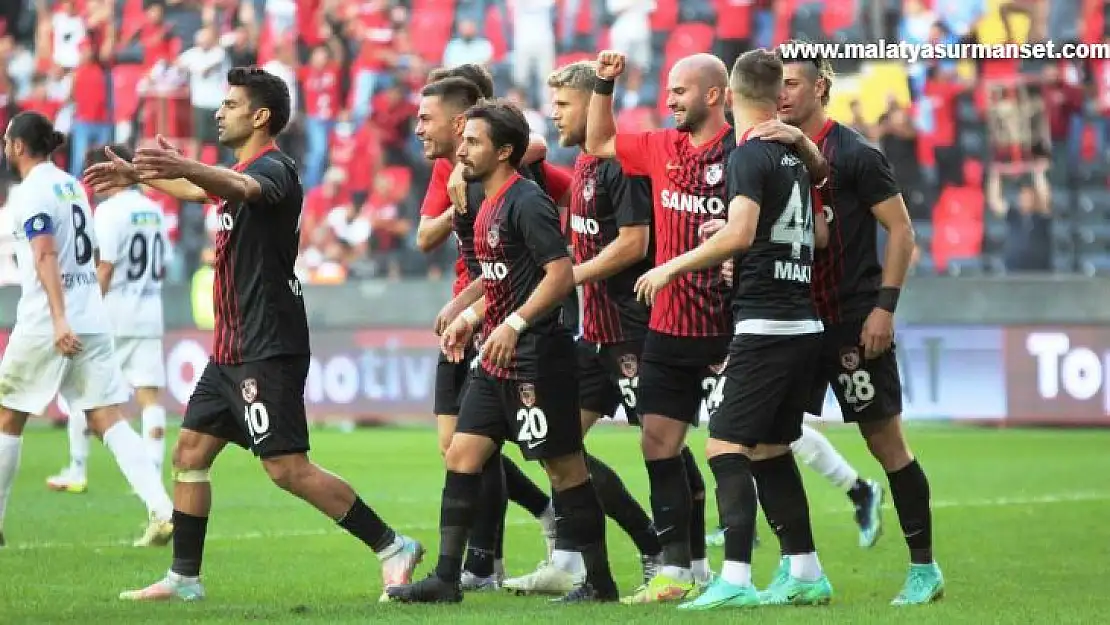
point(678, 373)
point(256, 405)
point(868, 390)
point(609, 376)
point(765, 390)
point(540, 414)
point(451, 380)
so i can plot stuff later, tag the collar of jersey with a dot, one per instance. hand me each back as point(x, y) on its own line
point(496, 197)
point(263, 152)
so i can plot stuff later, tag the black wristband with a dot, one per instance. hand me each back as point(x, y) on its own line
point(888, 298)
point(604, 86)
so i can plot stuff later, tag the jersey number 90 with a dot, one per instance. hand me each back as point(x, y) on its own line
point(146, 257)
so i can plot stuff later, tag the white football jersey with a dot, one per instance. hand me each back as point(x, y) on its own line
point(131, 229)
point(49, 200)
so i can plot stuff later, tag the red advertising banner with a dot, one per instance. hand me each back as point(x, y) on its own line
point(364, 375)
point(1058, 375)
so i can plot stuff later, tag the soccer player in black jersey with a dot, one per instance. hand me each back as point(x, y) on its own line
point(690, 323)
point(439, 124)
point(856, 296)
point(764, 392)
point(610, 223)
point(525, 387)
point(252, 391)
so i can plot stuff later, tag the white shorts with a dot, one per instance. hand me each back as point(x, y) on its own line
point(32, 373)
point(142, 361)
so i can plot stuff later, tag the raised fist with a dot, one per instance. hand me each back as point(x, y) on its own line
point(610, 64)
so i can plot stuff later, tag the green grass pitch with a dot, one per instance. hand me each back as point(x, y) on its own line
point(1020, 522)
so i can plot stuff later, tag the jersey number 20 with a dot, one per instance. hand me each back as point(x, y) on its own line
point(794, 227)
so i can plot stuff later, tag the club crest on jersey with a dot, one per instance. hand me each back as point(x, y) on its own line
point(493, 237)
point(714, 173)
point(588, 188)
point(528, 394)
point(629, 366)
point(250, 390)
point(849, 358)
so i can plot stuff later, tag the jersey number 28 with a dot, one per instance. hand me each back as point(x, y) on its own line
point(794, 227)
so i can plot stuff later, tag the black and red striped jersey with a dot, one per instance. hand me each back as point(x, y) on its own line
point(516, 234)
point(848, 273)
point(688, 189)
point(257, 299)
point(603, 200)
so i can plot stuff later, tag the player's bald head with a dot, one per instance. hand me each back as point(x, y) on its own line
point(707, 70)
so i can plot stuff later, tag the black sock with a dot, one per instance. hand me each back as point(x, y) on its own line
point(859, 493)
point(909, 488)
point(581, 526)
point(622, 507)
point(461, 492)
point(697, 508)
point(523, 491)
point(365, 525)
point(736, 503)
point(784, 502)
point(670, 505)
point(482, 548)
point(188, 543)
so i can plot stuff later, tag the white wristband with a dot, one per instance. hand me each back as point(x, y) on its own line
point(470, 316)
point(516, 322)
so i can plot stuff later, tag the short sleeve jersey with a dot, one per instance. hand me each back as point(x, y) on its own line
point(257, 298)
point(516, 234)
point(688, 189)
point(603, 200)
point(131, 229)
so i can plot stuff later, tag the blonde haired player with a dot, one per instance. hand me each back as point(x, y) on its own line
point(134, 247)
point(62, 341)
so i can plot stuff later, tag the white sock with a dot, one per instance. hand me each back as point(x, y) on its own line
point(568, 561)
point(393, 549)
point(737, 573)
point(136, 466)
point(700, 570)
point(805, 567)
point(9, 464)
point(677, 572)
point(78, 429)
point(819, 454)
point(154, 418)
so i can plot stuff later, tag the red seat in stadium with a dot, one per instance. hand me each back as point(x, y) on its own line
point(431, 30)
point(686, 39)
point(957, 225)
point(400, 179)
point(665, 16)
point(837, 16)
point(125, 84)
point(494, 31)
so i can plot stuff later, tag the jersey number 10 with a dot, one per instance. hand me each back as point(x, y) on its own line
point(794, 227)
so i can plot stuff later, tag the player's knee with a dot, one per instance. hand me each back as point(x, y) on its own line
point(887, 443)
point(462, 459)
point(287, 472)
point(566, 472)
point(659, 443)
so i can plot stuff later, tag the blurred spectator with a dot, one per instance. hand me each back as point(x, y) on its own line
point(394, 111)
point(389, 227)
point(91, 122)
point(320, 201)
point(1028, 244)
point(468, 47)
point(898, 139)
point(631, 31)
point(206, 64)
point(321, 83)
point(356, 150)
point(533, 56)
point(19, 63)
point(67, 34)
point(537, 121)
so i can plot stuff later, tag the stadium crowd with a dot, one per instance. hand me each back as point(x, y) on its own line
point(1001, 161)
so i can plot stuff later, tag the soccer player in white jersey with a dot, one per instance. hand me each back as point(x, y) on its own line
point(131, 231)
point(62, 341)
